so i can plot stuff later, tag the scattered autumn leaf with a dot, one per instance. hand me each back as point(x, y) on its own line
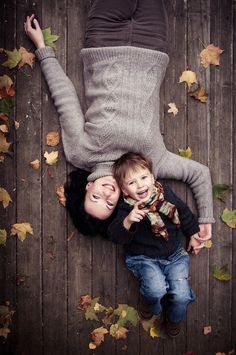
point(13, 58)
point(17, 124)
point(20, 229)
point(154, 332)
point(207, 330)
point(229, 217)
point(199, 94)
point(35, 164)
point(189, 77)
point(60, 192)
point(221, 273)
point(6, 105)
point(131, 315)
point(4, 332)
point(53, 138)
point(98, 336)
point(5, 319)
point(5, 197)
point(219, 191)
point(208, 244)
point(3, 236)
point(118, 332)
point(49, 39)
point(172, 108)
point(5, 82)
point(2, 158)
point(186, 153)
point(26, 58)
point(4, 145)
point(92, 346)
point(85, 301)
point(210, 55)
point(4, 128)
point(51, 158)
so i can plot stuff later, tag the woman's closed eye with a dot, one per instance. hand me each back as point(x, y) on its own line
point(110, 204)
point(95, 197)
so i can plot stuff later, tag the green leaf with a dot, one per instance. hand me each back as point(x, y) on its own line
point(3, 236)
point(49, 39)
point(221, 273)
point(91, 311)
point(13, 59)
point(186, 153)
point(219, 191)
point(229, 217)
point(6, 106)
point(126, 314)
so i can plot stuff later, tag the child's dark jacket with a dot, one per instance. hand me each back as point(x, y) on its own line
point(140, 240)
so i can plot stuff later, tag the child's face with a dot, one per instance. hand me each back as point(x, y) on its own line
point(138, 184)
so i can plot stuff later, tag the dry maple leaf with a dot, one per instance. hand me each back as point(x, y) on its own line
point(172, 108)
point(199, 94)
point(4, 145)
point(60, 192)
point(98, 335)
point(5, 197)
point(20, 229)
point(17, 124)
point(118, 332)
point(85, 301)
point(207, 330)
point(26, 57)
point(189, 77)
point(35, 164)
point(51, 158)
point(53, 138)
point(210, 55)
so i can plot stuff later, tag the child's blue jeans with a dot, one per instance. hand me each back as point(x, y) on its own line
point(164, 282)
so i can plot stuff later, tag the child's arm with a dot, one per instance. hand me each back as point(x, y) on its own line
point(63, 93)
point(198, 177)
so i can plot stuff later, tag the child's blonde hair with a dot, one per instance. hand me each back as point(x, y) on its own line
point(129, 161)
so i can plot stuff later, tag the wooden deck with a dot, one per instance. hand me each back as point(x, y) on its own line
point(44, 276)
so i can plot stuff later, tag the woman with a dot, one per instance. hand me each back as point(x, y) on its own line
point(124, 64)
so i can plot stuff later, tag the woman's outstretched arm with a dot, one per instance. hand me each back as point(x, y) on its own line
point(198, 177)
point(63, 93)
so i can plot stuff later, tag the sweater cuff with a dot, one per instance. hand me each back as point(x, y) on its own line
point(45, 52)
point(206, 220)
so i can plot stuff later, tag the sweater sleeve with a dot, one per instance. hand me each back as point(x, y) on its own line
point(188, 221)
point(117, 233)
point(66, 102)
point(196, 175)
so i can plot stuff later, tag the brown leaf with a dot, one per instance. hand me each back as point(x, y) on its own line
point(118, 332)
point(60, 192)
point(207, 330)
point(26, 57)
point(85, 301)
point(4, 145)
point(5, 197)
point(210, 55)
point(98, 335)
point(199, 94)
point(35, 164)
point(53, 138)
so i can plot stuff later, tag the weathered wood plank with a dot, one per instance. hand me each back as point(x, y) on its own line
point(221, 163)
point(198, 139)
point(28, 259)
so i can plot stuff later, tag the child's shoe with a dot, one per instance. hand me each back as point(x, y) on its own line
point(172, 329)
point(144, 308)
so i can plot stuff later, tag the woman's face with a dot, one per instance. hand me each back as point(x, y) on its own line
point(101, 197)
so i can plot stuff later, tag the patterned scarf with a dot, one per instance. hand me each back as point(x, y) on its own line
point(155, 204)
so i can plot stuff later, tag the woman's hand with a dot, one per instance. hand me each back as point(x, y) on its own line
point(35, 34)
point(194, 244)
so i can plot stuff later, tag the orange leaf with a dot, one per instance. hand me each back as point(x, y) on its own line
point(35, 164)
point(98, 335)
point(199, 94)
point(210, 55)
point(4, 145)
point(53, 139)
point(85, 301)
point(26, 57)
point(60, 192)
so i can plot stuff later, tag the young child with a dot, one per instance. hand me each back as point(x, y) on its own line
point(150, 223)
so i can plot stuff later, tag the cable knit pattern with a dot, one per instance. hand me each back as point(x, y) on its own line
point(122, 86)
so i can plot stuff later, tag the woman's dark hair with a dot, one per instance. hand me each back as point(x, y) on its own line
point(75, 195)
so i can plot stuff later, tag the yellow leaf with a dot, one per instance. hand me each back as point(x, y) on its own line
point(4, 145)
point(154, 333)
point(92, 346)
point(5, 197)
point(20, 229)
point(51, 158)
point(53, 138)
point(60, 192)
point(17, 124)
point(207, 330)
point(4, 332)
point(189, 77)
point(4, 128)
point(26, 57)
point(5, 82)
point(208, 244)
point(199, 94)
point(35, 164)
point(13, 58)
point(172, 108)
point(210, 55)
point(187, 153)
point(3, 236)
point(97, 306)
point(123, 314)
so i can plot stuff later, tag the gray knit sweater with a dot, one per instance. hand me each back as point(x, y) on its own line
point(122, 87)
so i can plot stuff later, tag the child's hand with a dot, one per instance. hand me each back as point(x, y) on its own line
point(136, 215)
point(35, 34)
point(194, 244)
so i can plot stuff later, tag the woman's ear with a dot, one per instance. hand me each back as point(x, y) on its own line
point(90, 183)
